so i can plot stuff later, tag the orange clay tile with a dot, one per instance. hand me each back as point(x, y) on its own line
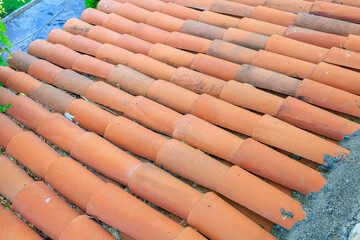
point(59, 54)
point(24, 62)
point(86, 64)
point(148, 33)
point(197, 133)
point(283, 64)
point(316, 38)
point(161, 119)
point(152, 67)
point(274, 85)
point(87, 115)
point(150, 4)
point(54, 126)
point(214, 67)
point(104, 94)
point(294, 111)
point(37, 203)
point(13, 178)
point(126, 10)
point(129, 80)
point(176, 155)
point(268, 127)
point(74, 178)
point(135, 138)
point(290, 66)
point(102, 206)
point(90, 116)
point(218, 19)
point(181, 11)
point(273, 16)
point(245, 38)
point(10, 131)
point(165, 22)
point(101, 34)
point(212, 34)
point(324, 24)
point(22, 114)
point(264, 223)
point(93, 208)
point(329, 74)
point(59, 36)
point(197, 4)
point(245, 157)
point(197, 82)
point(89, 147)
point(148, 176)
point(49, 212)
point(54, 99)
point(5, 99)
point(68, 79)
point(250, 2)
point(39, 48)
point(76, 41)
point(6, 72)
point(171, 56)
point(267, 79)
point(242, 176)
point(168, 94)
point(73, 24)
point(231, 52)
point(289, 6)
point(214, 110)
point(41, 70)
point(247, 96)
point(188, 42)
point(14, 228)
point(208, 204)
point(80, 42)
point(296, 49)
point(80, 223)
point(122, 168)
point(231, 8)
point(39, 159)
point(134, 44)
point(94, 17)
point(117, 23)
point(343, 57)
point(261, 27)
point(63, 176)
point(16, 79)
point(347, 2)
point(202, 30)
point(313, 92)
point(338, 11)
point(187, 233)
point(352, 43)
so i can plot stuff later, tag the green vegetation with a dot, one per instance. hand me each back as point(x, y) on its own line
point(5, 44)
point(8, 6)
point(91, 3)
point(4, 108)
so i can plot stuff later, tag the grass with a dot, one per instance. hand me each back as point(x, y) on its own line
point(11, 5)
